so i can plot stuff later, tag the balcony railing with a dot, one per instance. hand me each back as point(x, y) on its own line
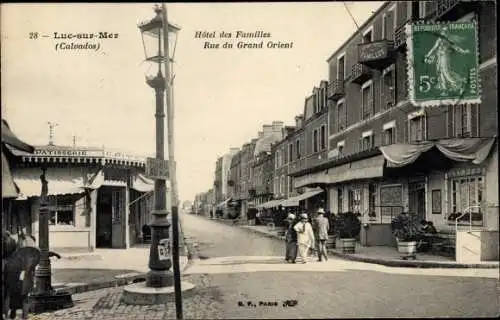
point(377, 54)
point(360, 73)
point(335, 89)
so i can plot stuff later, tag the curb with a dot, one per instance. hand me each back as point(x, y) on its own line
point(390, 262)
point(92, 256)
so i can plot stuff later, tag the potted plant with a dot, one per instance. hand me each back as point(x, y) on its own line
point(405, 229)
point(348, 226)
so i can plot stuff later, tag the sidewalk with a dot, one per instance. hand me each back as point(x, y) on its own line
point(81, 271)
point(382, 255)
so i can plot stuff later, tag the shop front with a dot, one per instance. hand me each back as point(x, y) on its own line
point(96, 200)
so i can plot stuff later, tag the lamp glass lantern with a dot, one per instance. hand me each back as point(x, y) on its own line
point(152, 39)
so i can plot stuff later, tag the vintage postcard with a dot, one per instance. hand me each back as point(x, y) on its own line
point(250, 160)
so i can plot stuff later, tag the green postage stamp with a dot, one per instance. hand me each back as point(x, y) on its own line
point(443, 63)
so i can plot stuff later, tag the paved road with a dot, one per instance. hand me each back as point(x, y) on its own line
point(243, 268)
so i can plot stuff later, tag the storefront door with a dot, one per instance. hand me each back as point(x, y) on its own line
point(417, 199)
point(104, 226)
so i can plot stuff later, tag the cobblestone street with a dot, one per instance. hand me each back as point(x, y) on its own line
point(232, 285)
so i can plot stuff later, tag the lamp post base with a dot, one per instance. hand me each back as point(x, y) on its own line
point(51, 301)
point(159, 279)
point(140, 294)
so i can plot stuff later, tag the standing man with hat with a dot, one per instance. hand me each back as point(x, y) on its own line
point(305, 236)
point(321, 232)
point(291, 239)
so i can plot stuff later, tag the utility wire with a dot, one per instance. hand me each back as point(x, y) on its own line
point(349, 12)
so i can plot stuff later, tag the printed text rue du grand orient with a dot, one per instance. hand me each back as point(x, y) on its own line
point(240, 40)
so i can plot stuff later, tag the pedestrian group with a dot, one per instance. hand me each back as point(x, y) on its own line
point(301, 236)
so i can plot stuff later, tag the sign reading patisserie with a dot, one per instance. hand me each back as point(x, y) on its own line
point(70, 152)
point(67, 152)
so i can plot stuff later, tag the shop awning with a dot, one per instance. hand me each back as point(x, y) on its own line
point(60, 180)
point(142, 183)
point(224, 203)
point(294, 201)
point(362, 169)
point(9, 138)
point(9, 188)
point(475, 150)
point(270, 204)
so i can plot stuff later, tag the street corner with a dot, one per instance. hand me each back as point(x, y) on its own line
point(202, 302)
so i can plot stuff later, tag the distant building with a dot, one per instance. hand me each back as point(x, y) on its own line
point(222, 175)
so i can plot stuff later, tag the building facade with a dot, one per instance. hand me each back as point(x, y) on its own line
point(371, 122)
point(222, 176)
point(97, 198)
point(310, 147)
point(261, 171)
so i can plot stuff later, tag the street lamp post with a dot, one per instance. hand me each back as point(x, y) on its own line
point(156, 50)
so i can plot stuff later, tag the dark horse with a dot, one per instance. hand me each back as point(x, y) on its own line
point(19, 260)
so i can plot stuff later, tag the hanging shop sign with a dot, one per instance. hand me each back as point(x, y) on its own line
point(443, 63)
point(157, 169)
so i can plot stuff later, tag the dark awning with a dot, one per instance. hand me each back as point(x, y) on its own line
point(475, 150)
point(8, 137)
point(9, 188)
point(294, 201)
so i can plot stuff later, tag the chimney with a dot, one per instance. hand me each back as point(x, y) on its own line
point(298, 121)
point(277, 126)
point(234, 149)
point(260, 134)
point(267, 129)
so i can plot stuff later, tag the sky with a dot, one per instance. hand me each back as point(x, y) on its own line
point(222, 96)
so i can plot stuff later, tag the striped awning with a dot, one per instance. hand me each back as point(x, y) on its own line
point(224, 203)
point(142, 183)
point(270, 204)
point(294, 201)
point(60, 180)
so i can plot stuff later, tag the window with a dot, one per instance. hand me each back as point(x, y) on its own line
point(388, 89)
point(62, 209)
point(367, 100)
point(297, 148)
point(290, 184)
point(389, 136)
point(340, 200)
point(389, 23)
point(367, 141)
point(276, 187)
point(389, 133)
point(368, 35)
point(421, 9)
point(417, 129)
point(436, 201)
point(466, 192)
point(340, 147)
point(464, 120)
point(372, 196)
point(341, 68)
point(290, 152)
point(282, 186)
point(315, 140)
point(354, 200)
point(340, 116)
point(323, 137)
